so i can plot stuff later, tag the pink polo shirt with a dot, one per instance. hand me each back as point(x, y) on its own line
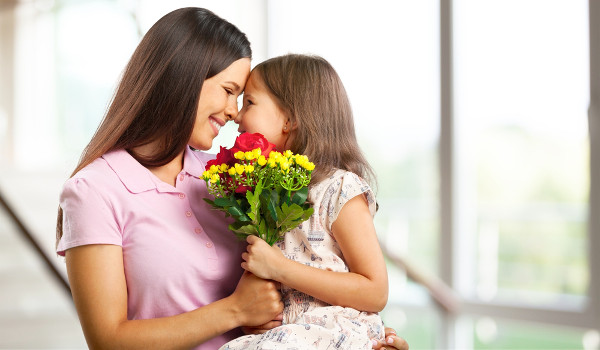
point(178, 253)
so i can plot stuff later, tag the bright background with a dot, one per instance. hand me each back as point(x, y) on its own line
point(473, 113)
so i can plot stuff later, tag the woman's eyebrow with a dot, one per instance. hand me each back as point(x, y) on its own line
point(235, 85)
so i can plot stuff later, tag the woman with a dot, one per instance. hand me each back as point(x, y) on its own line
point(150, 266)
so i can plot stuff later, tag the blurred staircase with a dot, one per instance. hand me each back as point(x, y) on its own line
point(36, 311)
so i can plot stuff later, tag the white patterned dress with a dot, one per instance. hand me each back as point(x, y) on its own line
point(309, 323)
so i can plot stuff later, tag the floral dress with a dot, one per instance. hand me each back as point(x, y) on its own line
point(309, 323)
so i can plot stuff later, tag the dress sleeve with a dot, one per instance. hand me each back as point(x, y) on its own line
point(341, 189)
point(88, 217)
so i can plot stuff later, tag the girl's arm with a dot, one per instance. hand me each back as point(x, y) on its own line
point(96, 275)
point(364, 288)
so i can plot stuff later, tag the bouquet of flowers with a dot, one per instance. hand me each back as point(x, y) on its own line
point(265, 191)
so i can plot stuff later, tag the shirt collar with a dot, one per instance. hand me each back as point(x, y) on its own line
point(138, 178)
point(191, 165)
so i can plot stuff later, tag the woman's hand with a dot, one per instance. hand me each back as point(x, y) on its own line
point(263, 328)
point(392, 341)
point(257, 301)
point(261, 259)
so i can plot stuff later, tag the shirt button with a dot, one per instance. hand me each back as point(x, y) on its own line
point(181, 177)
point(209, 245)
point(198, 230)
point(188, 213)
point(182, 195)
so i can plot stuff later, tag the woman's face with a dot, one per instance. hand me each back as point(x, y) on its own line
point(218, 103)
point(261, 114)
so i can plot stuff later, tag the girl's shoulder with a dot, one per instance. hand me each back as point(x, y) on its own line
point(332, 193)
point(340, 177)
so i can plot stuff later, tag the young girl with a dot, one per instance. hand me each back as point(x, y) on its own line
point(331, 268)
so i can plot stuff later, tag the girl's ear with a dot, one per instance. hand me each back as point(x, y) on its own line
point(289, 126)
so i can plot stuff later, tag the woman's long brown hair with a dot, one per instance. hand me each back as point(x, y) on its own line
point(311, 93)
point(157, 98)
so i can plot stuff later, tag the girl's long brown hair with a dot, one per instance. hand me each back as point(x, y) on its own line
point(157, 97)
point(311, 93)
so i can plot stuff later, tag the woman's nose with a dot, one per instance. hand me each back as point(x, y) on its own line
point(231, 111)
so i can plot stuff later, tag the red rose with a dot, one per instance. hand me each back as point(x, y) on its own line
point(224, 156)
point(243, 189)
point(247, 142)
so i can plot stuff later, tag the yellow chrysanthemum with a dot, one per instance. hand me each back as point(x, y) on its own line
point(284, 165)
point(231, 171)
point(310, 166)
point(214, 178)
point(301, 159)
point(262, 160)
point(239, 168)
point(274, 155)
point(239, 155)
point(249, 155)
point(249, 168)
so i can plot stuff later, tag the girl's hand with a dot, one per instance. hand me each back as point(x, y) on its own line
point(261, 259)
point(392, 341)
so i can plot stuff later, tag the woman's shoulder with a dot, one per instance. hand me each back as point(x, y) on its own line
point(101, 174)
point(97, 171)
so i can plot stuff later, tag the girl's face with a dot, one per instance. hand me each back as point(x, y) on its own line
point(261, 114)
point(218, 103)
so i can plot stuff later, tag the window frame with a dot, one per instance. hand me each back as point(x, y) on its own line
point(588, 316)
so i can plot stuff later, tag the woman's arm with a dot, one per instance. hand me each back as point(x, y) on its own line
point(97, 279)
point(364, 288)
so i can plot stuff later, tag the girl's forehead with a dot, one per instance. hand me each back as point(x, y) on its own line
point(255, 82)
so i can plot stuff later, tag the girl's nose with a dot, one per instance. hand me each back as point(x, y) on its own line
point(238, 117)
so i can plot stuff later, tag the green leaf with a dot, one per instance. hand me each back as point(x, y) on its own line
point(223, 202)
point(233, 208)
point(300, 196)
point(295, 215)
point(245, 229)
point(238, 213)
point(270, 200)
point(273, 235)
point(262, 230)
point(254, 202)
point(307, 214)
point(288, 215)
point(284, 197)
